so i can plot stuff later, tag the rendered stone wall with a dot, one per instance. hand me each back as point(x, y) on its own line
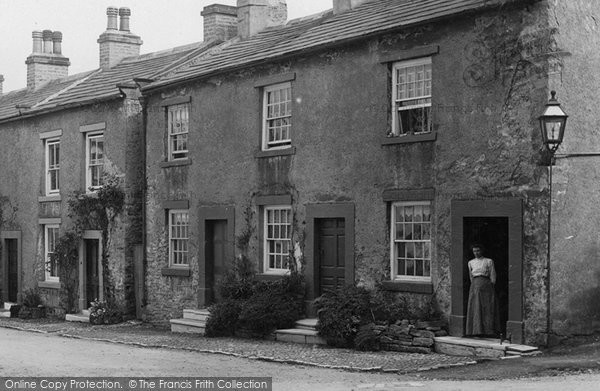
point(22, 183)
point(575, 256)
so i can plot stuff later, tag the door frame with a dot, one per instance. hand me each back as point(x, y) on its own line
point(207, 213)
point(11, 235)
point(327, 211)
point(89, 235)
point(511, 208)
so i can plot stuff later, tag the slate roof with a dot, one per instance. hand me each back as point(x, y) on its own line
point(95, 85)
point(324, 30)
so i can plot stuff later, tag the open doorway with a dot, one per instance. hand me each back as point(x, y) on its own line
point(498, 225)
point(492, 234)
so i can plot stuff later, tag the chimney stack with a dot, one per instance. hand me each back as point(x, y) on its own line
point(340, 6)
point(115, 45)
point(256, 15)
point(220, 22)
point(1, 81)
point(46, 61)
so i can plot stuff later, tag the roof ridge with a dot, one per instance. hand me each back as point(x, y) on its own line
point(204, 49)
point(161, 53)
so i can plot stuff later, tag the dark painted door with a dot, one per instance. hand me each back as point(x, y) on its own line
point(492, 233)
point(92, 258)
point(12, 254)
point(330, 254)
point(216, 257)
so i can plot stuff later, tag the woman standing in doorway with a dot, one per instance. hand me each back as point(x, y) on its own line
point(483, 317)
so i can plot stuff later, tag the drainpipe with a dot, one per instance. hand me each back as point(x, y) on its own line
point(143, 99)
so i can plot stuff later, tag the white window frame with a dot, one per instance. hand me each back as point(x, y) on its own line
point(47, 252)
point(178, 116)
point(426, 242)
point(423, 100)
point(179, 243)
point(89, 165)
point(49, 143)
point(280, 227)
point(267, 144)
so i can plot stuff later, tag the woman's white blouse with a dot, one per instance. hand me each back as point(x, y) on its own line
point(482, 267)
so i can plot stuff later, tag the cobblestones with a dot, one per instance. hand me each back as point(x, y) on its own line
point(144, 335)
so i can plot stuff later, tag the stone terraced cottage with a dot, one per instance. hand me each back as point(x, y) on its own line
point(63, 137)
point(371, 144)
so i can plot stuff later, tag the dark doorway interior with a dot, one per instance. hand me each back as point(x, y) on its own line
point(215, 256)
point(92, 257)
point(330, 254)
point(492, 233)
point(12, 256)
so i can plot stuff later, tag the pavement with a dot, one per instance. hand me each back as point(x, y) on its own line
point(144, 335)
point(579, 355)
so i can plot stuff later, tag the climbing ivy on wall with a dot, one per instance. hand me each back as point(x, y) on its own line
point(66, 256)
point(93, 211)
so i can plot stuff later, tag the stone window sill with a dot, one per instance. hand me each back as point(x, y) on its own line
point(50, 198)
point(405, 286)
point(176, 163)
point(409, 138)
point(275, 152)
point(176, 272)
point(49, 284)
point(270, 276)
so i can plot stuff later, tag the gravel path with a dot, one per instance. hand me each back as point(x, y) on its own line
point(144, 335)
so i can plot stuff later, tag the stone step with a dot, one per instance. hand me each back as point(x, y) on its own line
point(189, 326)
point(480, 347)
point(307, 324)
point(4, 313)
point(303, 336)
point(8, 305)
point(80, 317)
point(200, 315)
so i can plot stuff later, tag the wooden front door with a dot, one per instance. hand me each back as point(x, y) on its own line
point(92, 259)
point(330, 245)
point(12, 256)
point(216, 255)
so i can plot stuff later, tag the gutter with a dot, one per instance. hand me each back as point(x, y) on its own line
point(55, 108)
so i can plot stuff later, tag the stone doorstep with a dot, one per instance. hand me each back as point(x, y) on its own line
point(8, 305)
point(307, 324)
point(82, 317)
point(192, 314)
point(188, 326)
point(303, 336)
point(4, 313)
point(483, 347)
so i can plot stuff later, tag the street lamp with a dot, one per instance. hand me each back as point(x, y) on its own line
point(552, 125)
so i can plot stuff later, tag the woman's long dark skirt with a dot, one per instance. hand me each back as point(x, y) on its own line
point(483, 316)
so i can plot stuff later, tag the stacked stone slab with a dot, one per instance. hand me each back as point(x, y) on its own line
point(404, 336)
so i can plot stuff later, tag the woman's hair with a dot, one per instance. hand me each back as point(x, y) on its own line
point(479, 246)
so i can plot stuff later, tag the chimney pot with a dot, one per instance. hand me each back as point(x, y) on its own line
point(57, 42)
point(112, 13)
point(1, 81)
point(47, 36)
point(46, 63)
point(37, 42)
point(124, 14)
point(115, 45)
